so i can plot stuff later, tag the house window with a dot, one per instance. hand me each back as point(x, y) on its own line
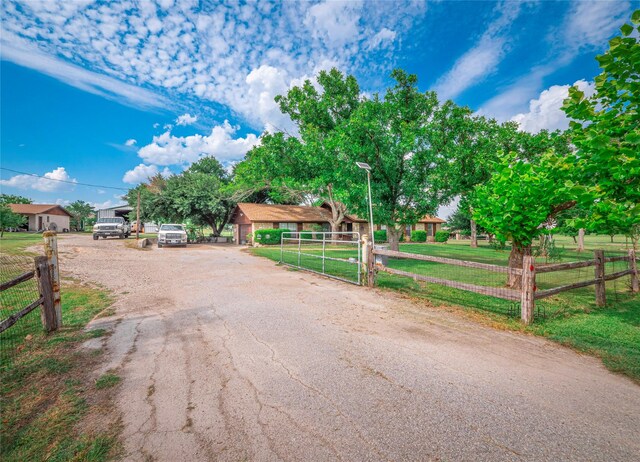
point(430, 229)
point(47, 218)
point(289, 226)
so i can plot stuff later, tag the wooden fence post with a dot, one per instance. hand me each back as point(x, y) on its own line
point(527, 300)
point(45, 285)
point(371, 275)
point(601, 298)
point(51, 252)
point(633, 266)
point(581, 240)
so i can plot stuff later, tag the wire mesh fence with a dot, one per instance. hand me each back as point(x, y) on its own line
point(484, 287)
point(12, 300)
point(481, 279)
point(336, 255)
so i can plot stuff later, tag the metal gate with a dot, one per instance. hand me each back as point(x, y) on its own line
point(334, 254)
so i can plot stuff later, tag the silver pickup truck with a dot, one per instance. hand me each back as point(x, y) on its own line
point(115, 227)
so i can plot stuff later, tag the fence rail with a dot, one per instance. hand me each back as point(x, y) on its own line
point(527, 293)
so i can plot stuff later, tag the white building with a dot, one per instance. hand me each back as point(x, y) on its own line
point(43, 217)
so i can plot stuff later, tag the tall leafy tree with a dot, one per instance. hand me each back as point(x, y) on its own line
point(403, 136)
point(605, 130)
point(308, 167)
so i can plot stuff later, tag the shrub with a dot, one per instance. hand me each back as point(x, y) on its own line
point(380, 235)
point(442, 236)
point(418, 236)
point(268, 236)
point(306, 235)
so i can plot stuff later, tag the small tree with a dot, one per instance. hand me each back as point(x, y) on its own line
point(8, 219)
point(520, 198)
point(80, 211)
point(200, 194)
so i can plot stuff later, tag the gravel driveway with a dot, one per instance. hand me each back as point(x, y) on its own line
point(226, 357)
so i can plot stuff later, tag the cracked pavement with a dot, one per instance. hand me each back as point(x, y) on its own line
point(226, 357)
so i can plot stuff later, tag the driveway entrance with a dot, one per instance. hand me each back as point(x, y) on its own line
point(225, 356)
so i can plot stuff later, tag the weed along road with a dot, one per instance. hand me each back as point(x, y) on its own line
point(224, 356)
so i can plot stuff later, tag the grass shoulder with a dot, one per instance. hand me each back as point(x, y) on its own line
point(49, 402)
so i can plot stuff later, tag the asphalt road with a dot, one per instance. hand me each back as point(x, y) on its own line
point(225, 356)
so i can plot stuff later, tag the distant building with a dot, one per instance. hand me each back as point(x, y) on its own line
point(247, 218)
point(124, 211)
point(43, 217)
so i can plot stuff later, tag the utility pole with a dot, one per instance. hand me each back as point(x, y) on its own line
point(138, 217)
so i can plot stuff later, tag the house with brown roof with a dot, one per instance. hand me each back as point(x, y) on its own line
point(247, 218)
point(43, 217)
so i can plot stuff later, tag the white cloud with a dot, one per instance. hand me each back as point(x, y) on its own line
point(25, 55)
point(167, 149)
point(130, 142)
point(545, 112)
point(586, 26)
point(56, 180)
point(334, 22)
point(590, 24)
point(186, 119)
point(483, 59)
point(194, 54)
point(142, 173)
point(382, 37)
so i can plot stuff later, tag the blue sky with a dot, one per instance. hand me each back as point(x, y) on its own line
point(109, 93)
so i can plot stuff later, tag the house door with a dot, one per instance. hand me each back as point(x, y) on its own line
point(243, 230)
point(39, 224)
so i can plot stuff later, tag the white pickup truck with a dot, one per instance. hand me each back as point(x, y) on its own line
point(172, 234)
point(106, 227)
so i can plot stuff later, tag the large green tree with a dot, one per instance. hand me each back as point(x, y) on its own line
point(403, 136)
point(309, 166)
point(605, 130)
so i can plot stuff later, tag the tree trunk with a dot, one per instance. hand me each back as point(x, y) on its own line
point(474, 234)
point(515, 262)
point(574, 239)
point(581, 240)
point(611, 236)
point(393, 237)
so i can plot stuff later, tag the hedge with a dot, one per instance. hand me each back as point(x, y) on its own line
point(268, 236)
point(442, 236)
point(418, 236)
point(380, 235)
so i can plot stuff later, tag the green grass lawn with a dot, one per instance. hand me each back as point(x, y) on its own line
point(16, 243)
point(571, 318)
point(45, 389)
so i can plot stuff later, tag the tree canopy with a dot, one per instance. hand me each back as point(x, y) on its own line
point(605, 130)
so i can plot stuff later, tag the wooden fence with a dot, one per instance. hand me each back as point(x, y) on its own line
point(528, 293)
point(47, 272)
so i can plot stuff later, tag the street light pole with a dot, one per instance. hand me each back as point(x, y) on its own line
point(367, 168)
point(373, 241)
